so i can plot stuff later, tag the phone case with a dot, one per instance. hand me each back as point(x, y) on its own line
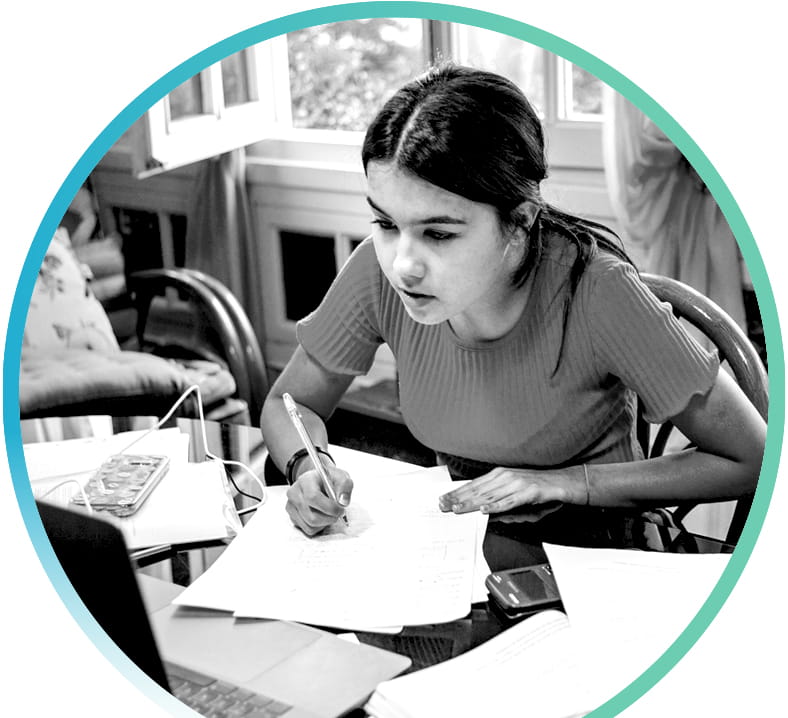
point(123, 483)
point(512, 601)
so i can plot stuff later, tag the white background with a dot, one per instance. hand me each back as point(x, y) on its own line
point(69, 68)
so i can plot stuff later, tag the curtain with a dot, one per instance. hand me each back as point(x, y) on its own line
point(220, 238)
point(667, 215)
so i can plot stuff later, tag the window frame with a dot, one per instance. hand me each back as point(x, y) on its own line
point(157, 143)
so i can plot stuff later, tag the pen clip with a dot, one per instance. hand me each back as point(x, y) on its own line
point(291, 407)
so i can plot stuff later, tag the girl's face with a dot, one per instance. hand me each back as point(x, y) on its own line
point(445, 255)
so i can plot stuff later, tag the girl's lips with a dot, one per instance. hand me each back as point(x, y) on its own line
point(415, 299)
point(415, 295)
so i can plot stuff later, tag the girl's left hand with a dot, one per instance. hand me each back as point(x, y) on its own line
point(505, 489)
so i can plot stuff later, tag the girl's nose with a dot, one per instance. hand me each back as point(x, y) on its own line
point(408, 264)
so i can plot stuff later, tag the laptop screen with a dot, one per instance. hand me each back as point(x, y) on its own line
point(95, 559)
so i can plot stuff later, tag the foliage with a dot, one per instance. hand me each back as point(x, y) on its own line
point(340, 74)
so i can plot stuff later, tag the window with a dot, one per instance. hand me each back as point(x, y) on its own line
point(225, 106)
point(340, 74)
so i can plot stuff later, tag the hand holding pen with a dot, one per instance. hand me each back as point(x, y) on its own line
point(318, 497)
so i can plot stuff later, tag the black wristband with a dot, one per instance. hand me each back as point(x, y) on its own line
point(295, 458)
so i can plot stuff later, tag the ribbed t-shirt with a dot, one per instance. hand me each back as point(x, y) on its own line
point(503, 402)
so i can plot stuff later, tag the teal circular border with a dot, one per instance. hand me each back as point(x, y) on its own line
point(421, 10)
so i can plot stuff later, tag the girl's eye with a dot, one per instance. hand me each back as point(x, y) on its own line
point(384, 224)
point(439, 236)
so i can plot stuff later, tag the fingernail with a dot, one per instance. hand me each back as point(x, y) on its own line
point(485, 509)
point(456, 507)
point(344, 499)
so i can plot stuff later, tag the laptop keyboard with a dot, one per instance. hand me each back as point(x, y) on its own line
point(212, 698)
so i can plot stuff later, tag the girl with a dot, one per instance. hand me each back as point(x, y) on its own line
point(522, 334)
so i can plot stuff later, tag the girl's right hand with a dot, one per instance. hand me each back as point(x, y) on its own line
point(310, 509)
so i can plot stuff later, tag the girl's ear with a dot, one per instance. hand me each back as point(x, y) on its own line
point(529, 210)
point(527, 213)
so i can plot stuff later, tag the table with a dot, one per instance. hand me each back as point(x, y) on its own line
point(504, 546)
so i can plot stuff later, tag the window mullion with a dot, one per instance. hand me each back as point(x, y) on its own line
point(438, 41)
point(552, 90)
point(212, 90)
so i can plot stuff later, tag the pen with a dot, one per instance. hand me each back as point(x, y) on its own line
point(295, 417)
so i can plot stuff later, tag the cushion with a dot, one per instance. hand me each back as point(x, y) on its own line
point(63, 312)
point(215, 382)
point(77, 381)
point(80, 381)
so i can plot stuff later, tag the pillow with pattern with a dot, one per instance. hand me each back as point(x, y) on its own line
point(63, 312)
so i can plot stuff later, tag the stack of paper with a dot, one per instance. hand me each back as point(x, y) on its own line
point(623, 610)
point(533, 669)
point(635, 603)
point(399, 561)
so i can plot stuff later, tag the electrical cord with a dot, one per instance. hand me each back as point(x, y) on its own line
point(63, 483)
point(194, 388)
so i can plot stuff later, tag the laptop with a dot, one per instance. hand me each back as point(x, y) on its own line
point(208, 660)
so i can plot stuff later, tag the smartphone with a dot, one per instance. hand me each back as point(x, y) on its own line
point(523, 591)
point(123, 482)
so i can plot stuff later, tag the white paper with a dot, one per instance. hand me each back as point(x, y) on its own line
point(400, 561)
point(362, 464)
point(630, 605)
point(531, 669)
point(623, 608)
point(191, 503)
point(48, 460)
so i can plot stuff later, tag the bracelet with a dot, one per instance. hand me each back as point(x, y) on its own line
point(295, 458)
point(588, 485)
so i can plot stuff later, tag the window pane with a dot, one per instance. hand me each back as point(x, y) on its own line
point(340, 74)
point(309, 266)
point(520, 61)
point(186, 99)
point(586, 93)
point(235, 80)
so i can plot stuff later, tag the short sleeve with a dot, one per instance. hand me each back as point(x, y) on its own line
point(343, 333)
point(637, 338)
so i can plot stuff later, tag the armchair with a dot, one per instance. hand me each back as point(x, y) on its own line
point(72, 364)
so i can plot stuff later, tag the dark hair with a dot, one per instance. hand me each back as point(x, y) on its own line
point(474, 133)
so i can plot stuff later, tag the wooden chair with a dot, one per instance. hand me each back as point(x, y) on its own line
point(734, 348)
